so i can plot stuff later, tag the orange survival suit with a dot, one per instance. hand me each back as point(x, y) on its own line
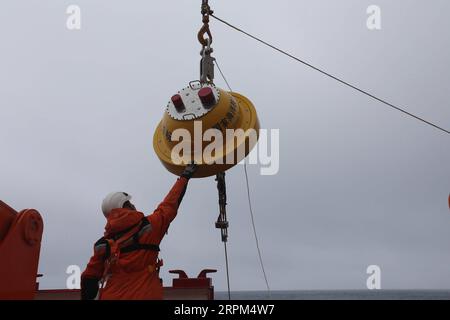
point(127, 256)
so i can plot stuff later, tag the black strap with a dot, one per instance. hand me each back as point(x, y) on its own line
point(139, 246)
point(103, 242)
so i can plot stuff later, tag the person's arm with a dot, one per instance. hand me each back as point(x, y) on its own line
point(94, 271)
point(168, 208)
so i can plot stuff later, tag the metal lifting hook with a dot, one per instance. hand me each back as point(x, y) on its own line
point(207, 62)
point(206, 11)
point(204, 30)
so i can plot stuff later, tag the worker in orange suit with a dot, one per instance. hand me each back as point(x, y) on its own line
point(125, 263)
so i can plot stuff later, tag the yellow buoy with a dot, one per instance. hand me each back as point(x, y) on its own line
point(196, 117)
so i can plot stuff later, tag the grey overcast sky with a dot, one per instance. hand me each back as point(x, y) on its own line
point(359, 183)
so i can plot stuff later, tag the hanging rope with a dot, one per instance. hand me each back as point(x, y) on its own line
point(249, 201)
point(254, 230)
point(228, 272)
point(332, 77)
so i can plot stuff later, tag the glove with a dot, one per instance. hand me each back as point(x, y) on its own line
point(189, 170)
point(89, 288)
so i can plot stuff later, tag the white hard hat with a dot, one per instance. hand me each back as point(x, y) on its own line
point(114, 200)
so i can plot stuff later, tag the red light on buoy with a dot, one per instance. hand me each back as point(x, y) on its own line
point(178, 102)
point(207, 97)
